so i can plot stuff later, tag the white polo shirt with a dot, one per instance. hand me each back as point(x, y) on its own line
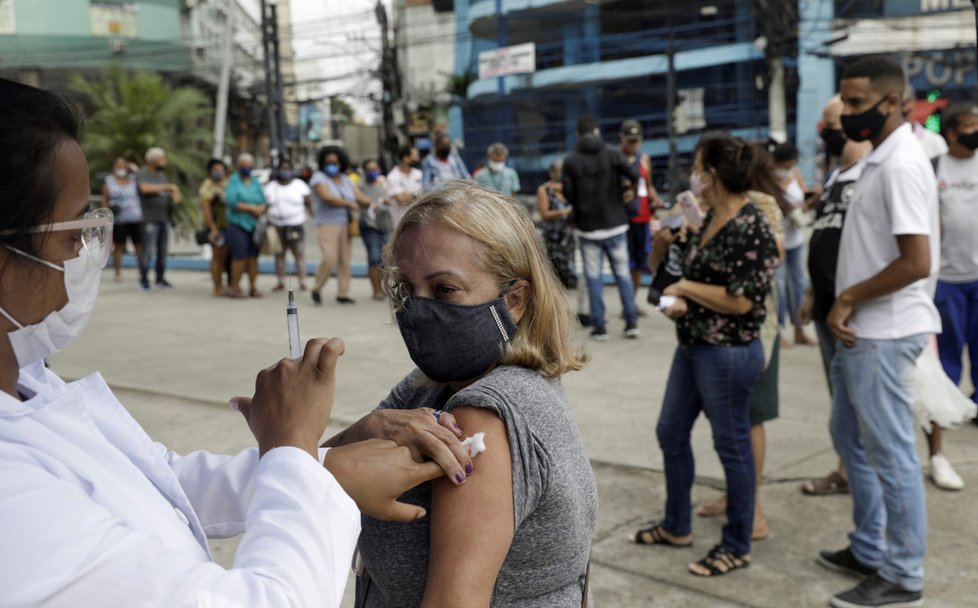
point(896, 194)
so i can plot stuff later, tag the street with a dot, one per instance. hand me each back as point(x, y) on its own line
point(176, 356)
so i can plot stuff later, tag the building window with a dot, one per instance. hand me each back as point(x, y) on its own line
point(113, 20)
point(7, 17)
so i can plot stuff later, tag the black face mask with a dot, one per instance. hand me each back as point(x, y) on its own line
point(865, 125)
point(969, 141)
point(415, 164)
point(443, 153)
point(835, 141)
point(454, 342)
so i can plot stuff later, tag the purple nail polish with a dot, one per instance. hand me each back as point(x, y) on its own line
point(457, 427)
point(469, 469)
point(459, 477)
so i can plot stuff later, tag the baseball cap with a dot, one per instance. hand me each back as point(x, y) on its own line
point(631, 129)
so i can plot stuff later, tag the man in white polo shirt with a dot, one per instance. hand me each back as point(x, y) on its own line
point(887, 271)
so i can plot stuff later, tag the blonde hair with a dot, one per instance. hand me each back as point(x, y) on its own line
point(511, 250)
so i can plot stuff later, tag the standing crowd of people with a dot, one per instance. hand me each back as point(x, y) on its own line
point(478, 293)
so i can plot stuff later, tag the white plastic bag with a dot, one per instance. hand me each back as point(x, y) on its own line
point(936, 398)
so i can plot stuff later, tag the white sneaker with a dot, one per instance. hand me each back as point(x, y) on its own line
point(943, 474)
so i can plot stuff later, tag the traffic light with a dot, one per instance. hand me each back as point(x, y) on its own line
point(933, 122)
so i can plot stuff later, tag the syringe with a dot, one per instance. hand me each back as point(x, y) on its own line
point(292, 318)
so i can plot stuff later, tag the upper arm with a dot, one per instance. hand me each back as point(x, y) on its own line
point(758, 253)
point(915, 249)
point(472, 525)
point(543, 204)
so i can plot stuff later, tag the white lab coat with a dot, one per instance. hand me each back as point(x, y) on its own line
point(94, 513)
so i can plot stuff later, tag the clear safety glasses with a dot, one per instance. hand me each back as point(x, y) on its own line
point(95, 228)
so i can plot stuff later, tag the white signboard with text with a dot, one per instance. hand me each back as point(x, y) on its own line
point(518, 59)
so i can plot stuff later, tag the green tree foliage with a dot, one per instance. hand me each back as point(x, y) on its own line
point(128, 113)
point(339, 107)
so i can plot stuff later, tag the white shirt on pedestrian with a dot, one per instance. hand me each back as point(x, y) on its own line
point(957, 180)
point(399, 182)
point(794, 237)
point(933, 144)
point(895, 195)
point(287, 203)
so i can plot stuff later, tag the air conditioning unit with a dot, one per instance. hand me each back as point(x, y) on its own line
point(443, 6)
point(118, 46)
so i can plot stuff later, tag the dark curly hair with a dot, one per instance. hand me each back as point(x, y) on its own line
point(340, 154)
point(33, 123)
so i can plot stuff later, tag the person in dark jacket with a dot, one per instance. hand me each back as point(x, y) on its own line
point(595, 179)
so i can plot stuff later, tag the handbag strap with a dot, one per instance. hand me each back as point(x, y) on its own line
point(587, 585)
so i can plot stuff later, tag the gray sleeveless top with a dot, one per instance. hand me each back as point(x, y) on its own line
point(555, 499)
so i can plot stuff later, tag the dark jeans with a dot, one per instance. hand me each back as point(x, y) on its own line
point(374, 241)
point(155, 238)
point(716, 380)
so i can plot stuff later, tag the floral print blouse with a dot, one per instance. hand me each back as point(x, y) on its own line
point(742, 256)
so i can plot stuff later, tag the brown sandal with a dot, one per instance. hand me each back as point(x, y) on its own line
point(654, 536)
point(720, 561)
point(833, 483)
point(714, 508)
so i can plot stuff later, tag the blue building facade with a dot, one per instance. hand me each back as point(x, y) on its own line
point(611, 60)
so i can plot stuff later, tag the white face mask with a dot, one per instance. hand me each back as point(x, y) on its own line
point(121, 172)
point(82, 276)
point(496, 166)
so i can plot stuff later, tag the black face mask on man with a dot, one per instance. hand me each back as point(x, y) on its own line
point(453, 342)
point(834, 140)
point(865, 125)
point(969, 140)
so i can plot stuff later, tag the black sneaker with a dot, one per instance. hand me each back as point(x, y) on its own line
point(599, 333)
point(144, 285)
point(584, 320)
point(878, 593)
point(631, 330)
point(316, 297)
point(346, 300)
point(845, 561)
point(163, 284)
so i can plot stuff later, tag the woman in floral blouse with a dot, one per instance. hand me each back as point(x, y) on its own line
point(719, 309)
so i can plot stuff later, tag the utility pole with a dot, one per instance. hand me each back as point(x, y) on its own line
point(672, 171)
point(273, 79)
point(391, 92)
point(224, 83)
point(778, 20)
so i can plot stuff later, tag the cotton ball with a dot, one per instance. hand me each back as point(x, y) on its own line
point(476, 444)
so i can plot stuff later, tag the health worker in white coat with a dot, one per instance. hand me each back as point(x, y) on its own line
point(92, 511)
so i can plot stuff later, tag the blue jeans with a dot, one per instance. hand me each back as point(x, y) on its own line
point(792, 283)
point(718, 381)
point(874, 432)
point(374, 241)
point(826, 345)
point(593, 252)
point(958, 305)
point(155, 236)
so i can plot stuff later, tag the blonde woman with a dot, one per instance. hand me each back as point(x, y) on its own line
point(487, 324)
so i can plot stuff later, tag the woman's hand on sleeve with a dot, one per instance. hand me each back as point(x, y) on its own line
point(375, 472)
point(418, 430)
point(472, 526)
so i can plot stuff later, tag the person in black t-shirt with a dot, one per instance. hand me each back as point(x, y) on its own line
point(823, 254)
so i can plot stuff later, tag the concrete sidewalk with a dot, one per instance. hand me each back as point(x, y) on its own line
point(176, 356)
